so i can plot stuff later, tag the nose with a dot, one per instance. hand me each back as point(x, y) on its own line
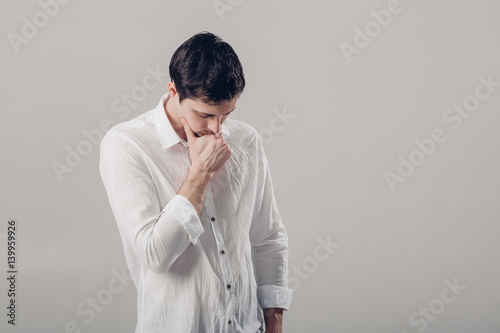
point(215, 125)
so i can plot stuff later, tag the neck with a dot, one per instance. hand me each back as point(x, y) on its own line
point(174, 120)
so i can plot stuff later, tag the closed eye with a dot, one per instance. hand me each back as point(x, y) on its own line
point(202, 116)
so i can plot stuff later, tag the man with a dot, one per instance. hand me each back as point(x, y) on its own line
point(192, 196)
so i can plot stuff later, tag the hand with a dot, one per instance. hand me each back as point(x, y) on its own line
point(273, 329)
point(208, 152)
point(273, 318)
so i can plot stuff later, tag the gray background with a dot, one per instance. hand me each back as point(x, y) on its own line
point(352, 121)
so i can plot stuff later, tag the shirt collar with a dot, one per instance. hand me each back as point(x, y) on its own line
point(167, 134)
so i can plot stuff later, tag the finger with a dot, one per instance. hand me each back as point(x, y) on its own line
point(188, 130)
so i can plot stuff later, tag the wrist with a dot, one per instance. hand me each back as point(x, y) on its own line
point(195, 186)
point(198, 174)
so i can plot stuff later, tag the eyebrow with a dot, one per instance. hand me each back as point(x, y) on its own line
point(208, 114)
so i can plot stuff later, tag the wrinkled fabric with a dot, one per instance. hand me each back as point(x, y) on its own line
point(212, 273)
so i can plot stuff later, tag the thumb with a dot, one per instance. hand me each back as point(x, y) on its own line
point(188, 130)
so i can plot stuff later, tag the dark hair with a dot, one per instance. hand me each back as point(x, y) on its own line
point(206, 68)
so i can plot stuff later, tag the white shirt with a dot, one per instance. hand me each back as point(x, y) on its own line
point(195, 274)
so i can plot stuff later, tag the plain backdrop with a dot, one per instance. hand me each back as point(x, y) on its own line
point(354, 118)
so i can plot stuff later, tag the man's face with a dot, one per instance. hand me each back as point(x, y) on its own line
point(202, 118)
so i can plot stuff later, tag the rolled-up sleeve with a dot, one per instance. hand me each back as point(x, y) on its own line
point(158, 235)
point(269, 241)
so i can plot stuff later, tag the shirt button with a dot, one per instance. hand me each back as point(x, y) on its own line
point(222, 252)
point(228, 286)
point(229, 322)
point(212, 219)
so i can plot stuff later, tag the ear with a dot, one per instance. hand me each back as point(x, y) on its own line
point(172, 89)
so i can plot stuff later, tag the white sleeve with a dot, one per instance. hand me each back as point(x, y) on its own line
point(158, 235)
point(269, 241)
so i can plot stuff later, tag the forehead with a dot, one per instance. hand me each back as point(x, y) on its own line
point(197, 105)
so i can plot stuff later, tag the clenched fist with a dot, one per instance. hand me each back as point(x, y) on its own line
point(208, 152)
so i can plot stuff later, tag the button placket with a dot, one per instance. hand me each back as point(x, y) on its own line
point(215, 226)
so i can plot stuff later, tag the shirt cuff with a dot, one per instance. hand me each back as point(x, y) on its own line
point(274, 297)
point(183, 210)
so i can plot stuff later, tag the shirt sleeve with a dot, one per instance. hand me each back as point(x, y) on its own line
point(269, 241)
point(158, 235)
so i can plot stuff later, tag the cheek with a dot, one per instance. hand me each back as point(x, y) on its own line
point(197, 123)
point(192, 119)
